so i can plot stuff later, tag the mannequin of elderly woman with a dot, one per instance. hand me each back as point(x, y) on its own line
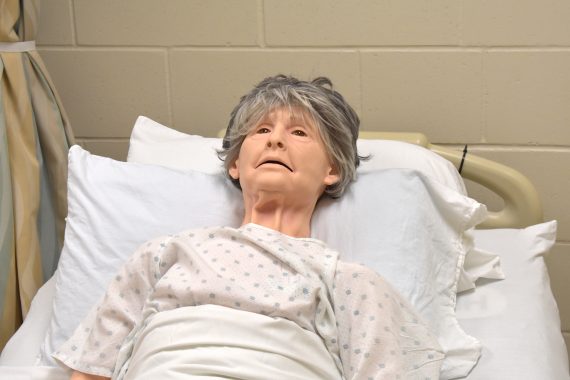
point(283, 168)
point(288, 142)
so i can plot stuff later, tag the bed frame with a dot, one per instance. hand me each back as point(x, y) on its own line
point(522, 205)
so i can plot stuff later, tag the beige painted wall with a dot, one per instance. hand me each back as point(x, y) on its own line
point(493, 74)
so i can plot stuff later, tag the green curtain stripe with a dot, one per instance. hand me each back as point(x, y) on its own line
point(56, 108)
point(45, 111)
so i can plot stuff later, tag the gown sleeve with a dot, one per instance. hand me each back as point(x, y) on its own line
point(95, 343)
point(380, 335)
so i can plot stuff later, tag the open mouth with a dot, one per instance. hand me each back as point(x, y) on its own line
point(276, 163)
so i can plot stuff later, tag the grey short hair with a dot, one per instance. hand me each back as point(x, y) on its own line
point(334, 118)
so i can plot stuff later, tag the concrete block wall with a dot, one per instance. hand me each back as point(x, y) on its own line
point(491, 74)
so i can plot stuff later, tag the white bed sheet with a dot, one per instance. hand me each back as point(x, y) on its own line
point(33, 373)
point(24, 346)
point(516, 319)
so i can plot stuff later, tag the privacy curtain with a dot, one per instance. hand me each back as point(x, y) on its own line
point(34, 139)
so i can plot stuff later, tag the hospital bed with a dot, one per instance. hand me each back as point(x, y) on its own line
point(502, 320)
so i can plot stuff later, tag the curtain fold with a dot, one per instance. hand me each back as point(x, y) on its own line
point(35, 136)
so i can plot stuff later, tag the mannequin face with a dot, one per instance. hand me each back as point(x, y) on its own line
point(284, 154)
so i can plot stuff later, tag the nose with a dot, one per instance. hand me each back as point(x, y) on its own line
point(278, 144)
point(275, 139)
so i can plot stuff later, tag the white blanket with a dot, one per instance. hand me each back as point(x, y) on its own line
point(216, 342)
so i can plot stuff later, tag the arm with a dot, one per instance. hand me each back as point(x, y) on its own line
point(379, 333)
point(94, 345)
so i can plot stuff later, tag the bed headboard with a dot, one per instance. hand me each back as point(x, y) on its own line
point(522, 206)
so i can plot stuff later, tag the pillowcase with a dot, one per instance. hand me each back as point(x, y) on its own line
point(391, 154)
point(116, 206)
point(154, 143)
point(479, 263)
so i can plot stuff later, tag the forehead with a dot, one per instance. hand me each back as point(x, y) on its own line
point(292, 114)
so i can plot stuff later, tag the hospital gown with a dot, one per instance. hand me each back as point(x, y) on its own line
point(370, 331)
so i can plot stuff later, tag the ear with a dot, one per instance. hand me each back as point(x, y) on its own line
point(332, 177)
point(233, 170)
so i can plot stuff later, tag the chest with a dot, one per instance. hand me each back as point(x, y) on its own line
point(271, 278)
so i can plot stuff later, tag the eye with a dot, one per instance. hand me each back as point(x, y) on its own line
point(263, 130)
point(299, 132)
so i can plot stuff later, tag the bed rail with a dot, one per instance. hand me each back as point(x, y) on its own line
point(522, 205)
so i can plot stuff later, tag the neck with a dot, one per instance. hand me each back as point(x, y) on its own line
point(273, 211)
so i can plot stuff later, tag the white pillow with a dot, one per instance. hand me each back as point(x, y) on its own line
point(115, 206)
point(389, 154)
point(154, 143)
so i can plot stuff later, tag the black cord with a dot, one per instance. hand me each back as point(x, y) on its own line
point(463, 159)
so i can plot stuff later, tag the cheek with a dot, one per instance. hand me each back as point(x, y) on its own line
point(322, 159)
point(234, 169)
